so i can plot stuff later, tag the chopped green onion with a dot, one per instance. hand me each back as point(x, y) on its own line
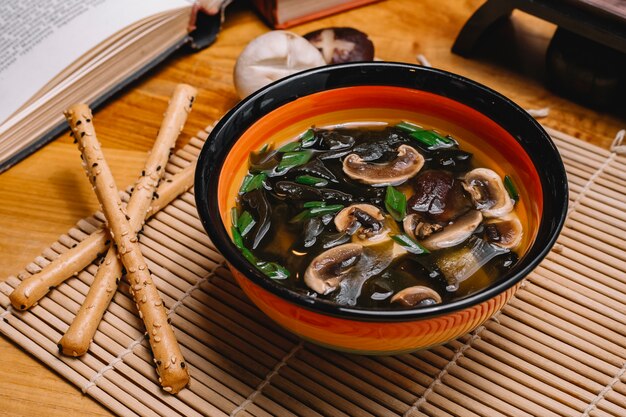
point(233, 216)
point(307, 138)
point(289, 147)
point(294, 159)
point(395, 203)
point(430, 138)
point(310, 204)
point(510, 188)
point(310, 180)
point(249, 256)
point(273, 270)
point(245, 223)
point(409, 127)
point(316, 212)
point(409, 244)
point(320, 211)
point(237, 239)
point(252, 182)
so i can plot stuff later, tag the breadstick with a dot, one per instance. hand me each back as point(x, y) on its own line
point(172, 370)
point(35, 287)
point(76, 339)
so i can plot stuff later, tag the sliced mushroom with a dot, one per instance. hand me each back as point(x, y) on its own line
point(407, 163)
point(418, 228)
point(505, 231)
point(416, 296)
point(364, 217)
point(487, 191)
point(454, 233)
point(366, 223)
point(326, 270)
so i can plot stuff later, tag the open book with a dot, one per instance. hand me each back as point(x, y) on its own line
point(57, 52)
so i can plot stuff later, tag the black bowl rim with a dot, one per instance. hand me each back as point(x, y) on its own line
point(213, 155)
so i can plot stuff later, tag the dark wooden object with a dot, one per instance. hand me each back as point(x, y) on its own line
point(602, 21)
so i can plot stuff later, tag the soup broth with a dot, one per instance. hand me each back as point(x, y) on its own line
point(379, 215)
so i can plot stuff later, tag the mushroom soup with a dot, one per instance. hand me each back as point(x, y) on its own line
point(378, 215)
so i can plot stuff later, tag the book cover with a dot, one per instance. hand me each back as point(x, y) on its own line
point(302, 11)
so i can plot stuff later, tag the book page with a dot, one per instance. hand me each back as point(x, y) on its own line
point(38, 39)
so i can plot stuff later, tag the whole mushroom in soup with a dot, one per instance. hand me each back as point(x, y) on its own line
point(439, 197)
point(407, 164)
point(342, 44)
point(325, 272)
point(487, 192)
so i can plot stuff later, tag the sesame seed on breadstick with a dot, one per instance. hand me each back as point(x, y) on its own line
point(77, 258)
point(33, 288)
point(165, 347)
point(76, 340)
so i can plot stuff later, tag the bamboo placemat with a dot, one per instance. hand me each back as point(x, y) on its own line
point(558, 348)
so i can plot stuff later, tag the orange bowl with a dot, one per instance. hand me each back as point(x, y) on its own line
point(491, 126)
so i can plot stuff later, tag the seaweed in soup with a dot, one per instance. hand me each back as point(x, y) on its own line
point(377, 217)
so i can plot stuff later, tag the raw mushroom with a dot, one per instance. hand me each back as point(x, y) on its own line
point(272, 56)
point(487, 191)
point(364, 222)
point(328, 268)
point(418, 228)
point(407, 163)
point(505, 232)
point(416, 296)
point(454, 233)
point(339, 45)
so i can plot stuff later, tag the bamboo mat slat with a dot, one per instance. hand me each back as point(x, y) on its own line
point(558, 348)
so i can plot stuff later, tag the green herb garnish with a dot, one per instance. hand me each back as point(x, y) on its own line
point(252, 182)
point(273, 270)
point(430, 138)
point(289, 147)
point(310, 180)
point(310, 204)
point(510, 188)
point(409, 127)
point(245, 223)
point(294, 159)
point(249, 256)
point(316, 212)
point(234, 215)
point(308, 138)
point(237, 239)
point(411, 245)
point(395, 203)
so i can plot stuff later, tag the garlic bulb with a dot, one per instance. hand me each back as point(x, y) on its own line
point(272, 56)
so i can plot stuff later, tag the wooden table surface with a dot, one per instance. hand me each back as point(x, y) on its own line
point(45, 194)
